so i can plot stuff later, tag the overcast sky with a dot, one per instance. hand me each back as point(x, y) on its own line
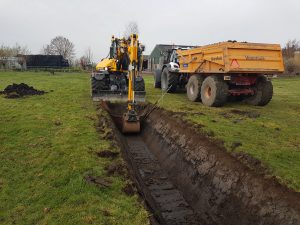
point(90, 23)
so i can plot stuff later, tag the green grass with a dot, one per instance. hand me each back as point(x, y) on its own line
point(47, 146)
point(273, 137)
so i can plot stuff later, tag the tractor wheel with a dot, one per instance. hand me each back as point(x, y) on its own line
point(214, 91)
point(139, 84)
point(98, 85)
point(169, 81)
point(157, 79)
point(193, 88)
point(263, 92)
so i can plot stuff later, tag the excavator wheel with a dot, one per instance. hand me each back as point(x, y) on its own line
point(98, 85)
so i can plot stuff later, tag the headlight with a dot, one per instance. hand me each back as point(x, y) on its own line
point(106, 68)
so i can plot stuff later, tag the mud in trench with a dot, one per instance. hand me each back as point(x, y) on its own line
point(186, 179)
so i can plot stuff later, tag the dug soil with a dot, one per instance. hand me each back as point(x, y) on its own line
point(20, 90)
point(185, 178)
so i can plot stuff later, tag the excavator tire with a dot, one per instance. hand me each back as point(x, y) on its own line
point(169, 81)
point(139, 84)
point(214, 91)
point(193, 88)
point(263, 92)
point(98, 85)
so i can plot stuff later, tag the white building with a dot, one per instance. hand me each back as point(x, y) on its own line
point(8, 63)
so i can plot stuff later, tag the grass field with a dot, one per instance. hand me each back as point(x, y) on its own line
point(270, 134)
point(47, 146)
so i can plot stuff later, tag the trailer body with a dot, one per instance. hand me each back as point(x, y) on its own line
point(232, 57)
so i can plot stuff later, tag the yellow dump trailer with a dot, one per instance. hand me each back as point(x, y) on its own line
point(232, 57)
point(227, 70)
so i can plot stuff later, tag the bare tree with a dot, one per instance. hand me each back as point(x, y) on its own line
point(290, 48)
point(89, 55)
point(290, 62)
point(46, 50)
point(131, 28)
point(7, 51)
point(20, 50)
point(60, 46)
point(86, 60)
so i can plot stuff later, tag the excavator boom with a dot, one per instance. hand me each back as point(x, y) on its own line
point(131, 120)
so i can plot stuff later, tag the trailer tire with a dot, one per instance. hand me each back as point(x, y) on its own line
point(193, 88)
point(157, 79)
point(139, 84)
point(98, 85)
point(214, 91)
point(169, 81)
point(263, 92)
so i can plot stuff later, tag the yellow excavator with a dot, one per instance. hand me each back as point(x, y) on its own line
point(117, 78)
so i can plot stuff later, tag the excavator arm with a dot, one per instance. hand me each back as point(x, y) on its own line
point(131, 120)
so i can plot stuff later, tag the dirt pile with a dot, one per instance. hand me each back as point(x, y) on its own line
point(116, 168)
point(108, 154)
point(101, 182)
point(250, 114)
point(20, 90)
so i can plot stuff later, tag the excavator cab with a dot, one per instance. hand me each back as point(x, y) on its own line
point(110, 80)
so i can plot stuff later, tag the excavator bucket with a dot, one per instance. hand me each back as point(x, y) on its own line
point(130, 124)
point(131, 127)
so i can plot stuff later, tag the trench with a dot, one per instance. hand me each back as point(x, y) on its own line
point(185, 178)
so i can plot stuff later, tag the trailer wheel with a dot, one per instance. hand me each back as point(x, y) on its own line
point(263, 92)
point(214, 91)
point(139, 84)
point(193, 88)
point(169, 81)
point(157, 79)
point(98, 85)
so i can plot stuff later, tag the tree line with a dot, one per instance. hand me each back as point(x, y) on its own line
point(291, 56)
point(60, 45)
point(10, 51)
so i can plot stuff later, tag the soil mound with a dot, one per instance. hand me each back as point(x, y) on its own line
point(108, 154)
point(20, 90)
